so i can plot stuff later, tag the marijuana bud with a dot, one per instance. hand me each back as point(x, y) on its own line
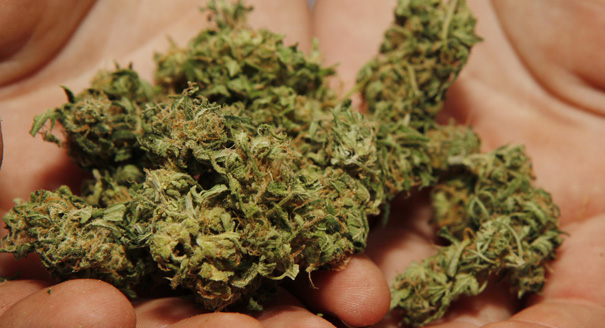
point(211, 188)
point(241, 168)
point(494, 222)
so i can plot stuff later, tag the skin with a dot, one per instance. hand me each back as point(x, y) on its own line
point(537, 79)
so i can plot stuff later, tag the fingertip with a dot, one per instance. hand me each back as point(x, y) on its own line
point(82, 302)
point(164, 311)
point(358, 294)
point(13, 291)
point(218, 319)
point(292, 316)
point(287, 311)
point(333, 23)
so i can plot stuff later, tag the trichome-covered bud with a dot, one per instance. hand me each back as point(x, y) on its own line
point(75, 239)
point(101, 124)
point(496, 224)
point(422, 54)
point(234, 63)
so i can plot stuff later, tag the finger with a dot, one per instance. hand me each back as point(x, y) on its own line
point(292, 317)
point(349, 34)
point(218, 319)
point(29, 267)
point(346, 293)
point(407, 237)
point(290, 18)
point(33, 35)
point(286, 311)
point(560, 59)
point(75, 303)
point(164, 311)
point(12, 292)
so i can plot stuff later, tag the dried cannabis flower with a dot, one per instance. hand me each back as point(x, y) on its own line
point(241, 168)
point(496, 224)
point(495, 221)
point(219, 197)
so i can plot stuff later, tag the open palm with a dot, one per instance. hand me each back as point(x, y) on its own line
point(537, 79)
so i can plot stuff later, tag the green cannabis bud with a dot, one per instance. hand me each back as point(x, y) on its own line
point(240, 168)
point(494, 221)
point(220, 193)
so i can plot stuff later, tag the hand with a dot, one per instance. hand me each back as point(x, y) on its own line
point(537, 79)
point(43, 47)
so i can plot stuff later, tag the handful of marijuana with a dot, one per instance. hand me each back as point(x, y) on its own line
point(240, 168)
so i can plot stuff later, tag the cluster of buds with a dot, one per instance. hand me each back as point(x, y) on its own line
point(240, 168)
